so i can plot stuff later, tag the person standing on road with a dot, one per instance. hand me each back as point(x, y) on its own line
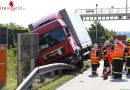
point(118, 57)
point(128, 56)
point(106, 56)
point(95, 59)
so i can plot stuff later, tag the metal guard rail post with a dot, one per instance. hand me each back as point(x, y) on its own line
point(42, 70)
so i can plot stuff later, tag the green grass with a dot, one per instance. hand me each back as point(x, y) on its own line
point(57, 82)
point(11, 70)
point(64, 78)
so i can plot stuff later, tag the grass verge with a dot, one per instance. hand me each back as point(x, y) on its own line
point(64, 78)
point(57, 82)
point(11, 70)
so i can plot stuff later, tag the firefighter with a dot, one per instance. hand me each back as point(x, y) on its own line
point(106, 56)
point(117, 57)
point(94, 59)
point(128, 56)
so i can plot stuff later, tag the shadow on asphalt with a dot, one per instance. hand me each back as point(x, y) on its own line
point(92, 76)
point(119, 80)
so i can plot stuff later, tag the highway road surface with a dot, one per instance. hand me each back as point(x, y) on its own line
point(86, 81)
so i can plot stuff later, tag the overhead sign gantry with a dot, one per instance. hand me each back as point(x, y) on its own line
point(104, 14)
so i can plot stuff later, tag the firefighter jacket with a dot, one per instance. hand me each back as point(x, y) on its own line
point(109, 54)
point(118, 52)
point(106, 53)
point(94, 55)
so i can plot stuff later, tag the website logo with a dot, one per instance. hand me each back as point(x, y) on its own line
point(11, 6)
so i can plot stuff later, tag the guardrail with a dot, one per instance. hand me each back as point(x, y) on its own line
point(40, 71)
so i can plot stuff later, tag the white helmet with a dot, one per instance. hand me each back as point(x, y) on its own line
point(116, 41)
point(107, 43)
point(95, 46)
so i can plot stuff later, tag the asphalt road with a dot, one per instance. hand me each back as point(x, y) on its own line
point(86, 81)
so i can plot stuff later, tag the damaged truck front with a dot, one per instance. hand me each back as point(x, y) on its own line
point(63, 38)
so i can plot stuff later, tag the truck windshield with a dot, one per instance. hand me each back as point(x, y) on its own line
point(51, 38)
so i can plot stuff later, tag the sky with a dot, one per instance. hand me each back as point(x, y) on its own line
point(33, 10)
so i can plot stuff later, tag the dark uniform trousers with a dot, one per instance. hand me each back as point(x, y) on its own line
point(94, 68)
point(117, 67)
point(106, 63)
point(128, 64)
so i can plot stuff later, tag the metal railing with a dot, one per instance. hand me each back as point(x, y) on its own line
point(104, 14)
point(103, 11)
point(41, 71)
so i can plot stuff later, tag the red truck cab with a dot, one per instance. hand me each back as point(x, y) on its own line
point(57, 42)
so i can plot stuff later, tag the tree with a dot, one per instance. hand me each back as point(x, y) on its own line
point(113, 32)
point(102, 32)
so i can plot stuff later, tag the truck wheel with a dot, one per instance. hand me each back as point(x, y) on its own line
point(80, 64)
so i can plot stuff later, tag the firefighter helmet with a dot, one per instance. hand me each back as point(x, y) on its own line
point(95, 46)
point(116, 41)
point(128, 40)
point(107, 43)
